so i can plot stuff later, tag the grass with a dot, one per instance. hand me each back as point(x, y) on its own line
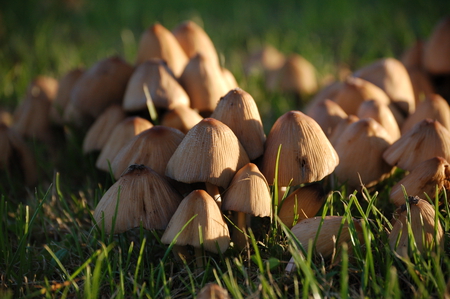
point(49, 246)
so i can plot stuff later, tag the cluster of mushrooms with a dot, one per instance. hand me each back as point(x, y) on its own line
point(210, 155)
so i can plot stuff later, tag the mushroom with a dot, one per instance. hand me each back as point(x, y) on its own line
point(206, 230)
point(238, 110)
point(140, 196)
point(248, 194)
point(213, 291)
point(327, 114)
point(182, 118)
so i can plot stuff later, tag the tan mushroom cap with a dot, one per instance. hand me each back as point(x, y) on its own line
point(266, 59)
point(360, 148)
point(425, 140)
point(433, 107)
point(101, 85)
point(301, 204)
point(413, 56)
point(152, 147)
point(204, 83)
point(144, 197)
point(423, 226)
point(297, 75)
point(238, 110)
point(182, 118)
point(210, 152)
point(306, 154)
point(215, 234)
point(99, 132)
point(391, 75)
point(122, 133)
point(230, 80)
point(327, 114)
point(158, 42)
point(422, 85)
point(331, 228)
point(193, 39)
point(164, 89)
point(213, 291)
point(436, 59)
point(248, 193)
point(423, 179)
point(340, 128)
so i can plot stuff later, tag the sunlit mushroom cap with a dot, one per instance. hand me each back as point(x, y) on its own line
point(210, 152)
point(306, 154)
point(122, 133)
point(423, 226)
point(297, 75)
point(182, 118)
point(139, 196)
point(165, 91)
point(327, 114)
point(436, 59)
point(425, 140)
point(193, 39)
point(100, 86)
point(360, 148)
point(214, 230)
point(238, 110)
point(101, 129)
point(158, 42)
point(423, 179)
point(248, 193)
point(422, 85)
point(340, 128)
point(152, 147)
point(213, 291)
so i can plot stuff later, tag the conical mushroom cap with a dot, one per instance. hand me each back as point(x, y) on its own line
point(62, 98)
point(248, 193)
point(340, 128)
point(193, 39)
point(382, 114)
point(230, 80)
point(182, 118)
point(425, 140)
point(213, 291)
point(422, 85)
point(210, 152)
point(360, 148)
point(327, 114)
point(355, 91)
point(152, 147)
point(301, 204)
point(266, 59)
point(158, 42)
point(122, 133)
point(101, 129)
point(204, 83)
point(297, 75)
point(424, 178)
point(215, 234)
point(412, 57)
point(433, 107)
point(436, 59)
point(391, 75)
point(327, 241)
point(100, 86)
point(164, 89)
point(306, 154)
point(238, 110)
point(144, 197)
point(423, 226)
point(329, 92)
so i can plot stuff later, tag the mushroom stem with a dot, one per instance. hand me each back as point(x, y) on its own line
point(213, 190)
point(181, 253)
point(239, 230)
point(199, 259)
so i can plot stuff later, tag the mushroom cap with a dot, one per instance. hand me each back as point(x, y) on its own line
point(424, 178)
point(152, 147)
point(425, 140)
point(340, 128)
point(413, 56)
point(214, 230)
point(193, 39)
point(266, 59)
point(122, 133)
point(360, 148)
point(164, 89)
point(436, 59)
point(158, 42)
point(213, 291)
point(391, 75)
point(423, 226)
point(308, 200)
point(210, 152)
point(297, 75)
point(144, 197)
point(306, 154)
point(248, 193)
point(182, 118)
point(422, 85)
point(99, 132)
point(101, 85)
point(327, 241)
point(204, 83)
point(327, 114)
point(238, 110)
